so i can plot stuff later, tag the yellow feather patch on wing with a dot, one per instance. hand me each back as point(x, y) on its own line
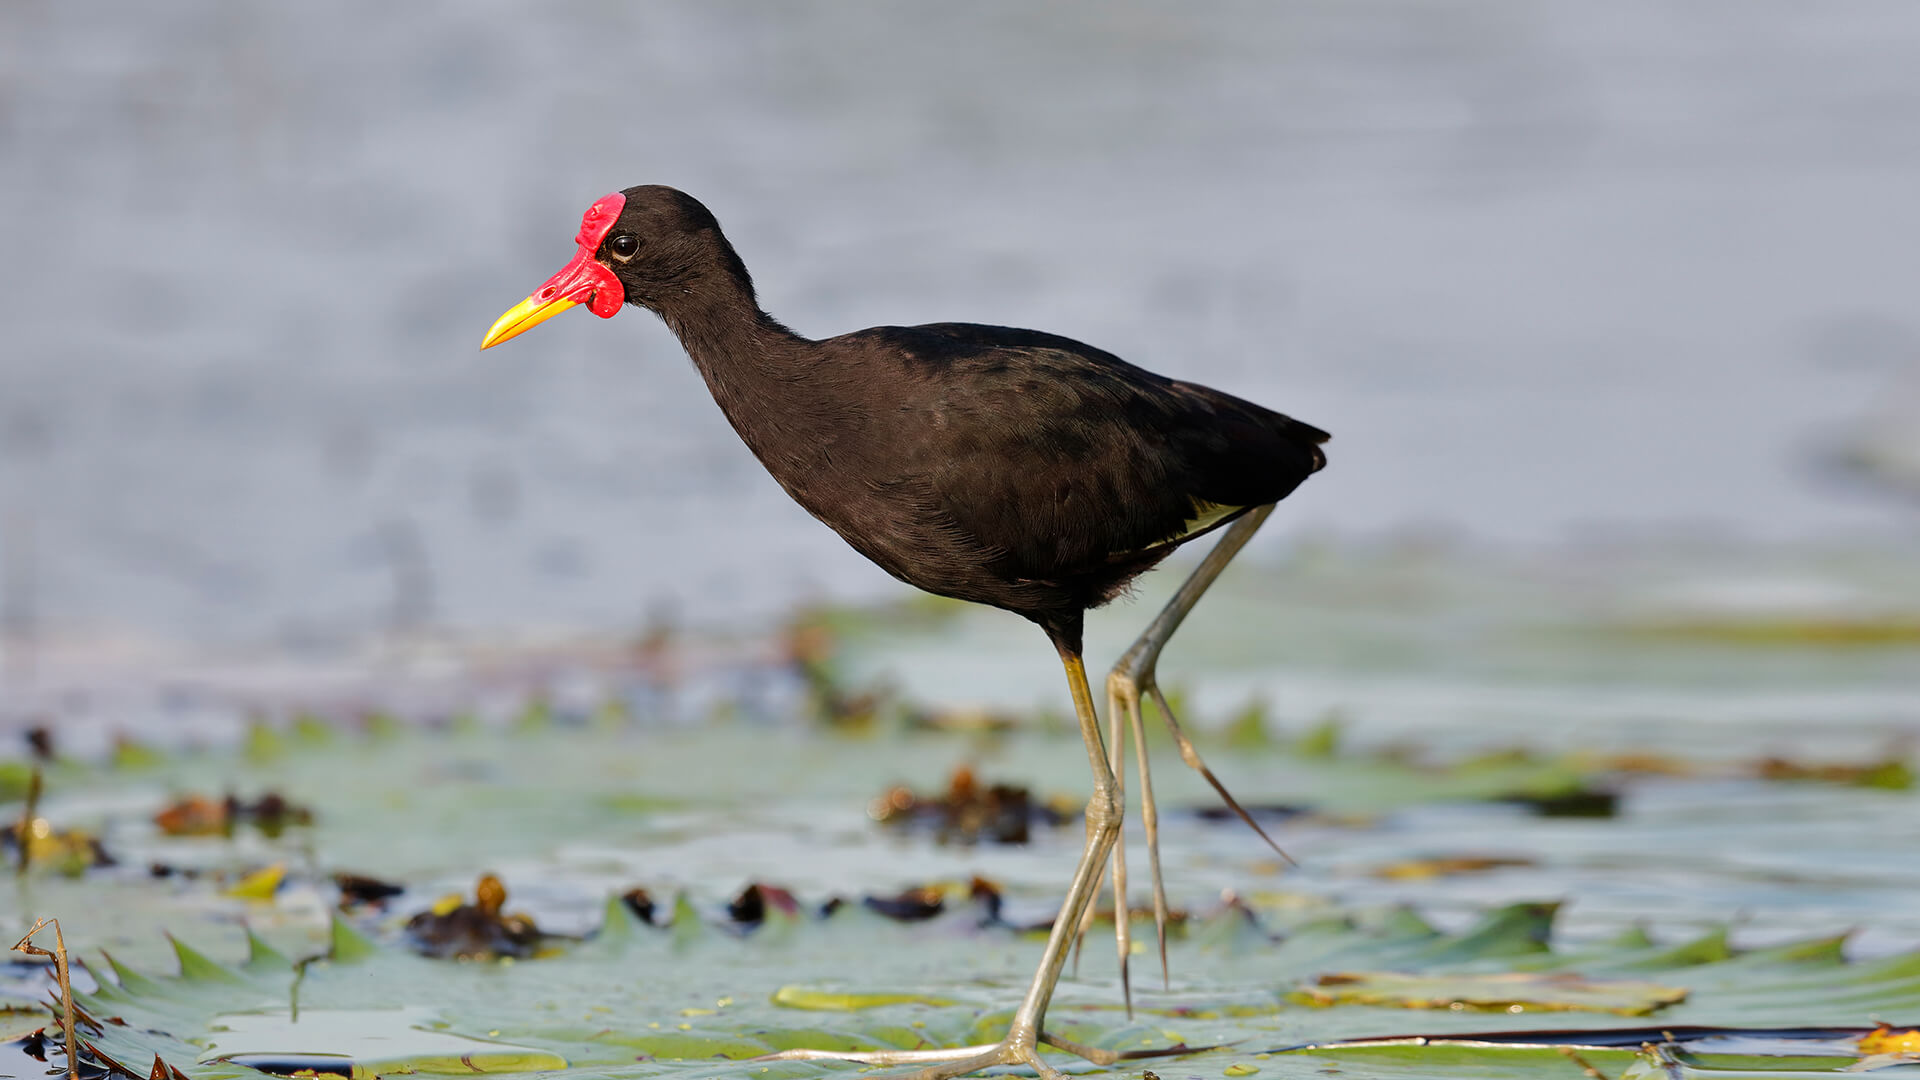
point(1205, 516)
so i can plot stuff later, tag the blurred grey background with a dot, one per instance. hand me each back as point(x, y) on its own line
point(1549, 271)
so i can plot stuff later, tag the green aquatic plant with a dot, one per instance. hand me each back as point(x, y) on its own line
point(1375, 994)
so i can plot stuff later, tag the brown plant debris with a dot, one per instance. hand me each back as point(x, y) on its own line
point(1891, 774)
point(198, 815)
point(1269, 811)
point(968, 812)
point(755, 902)
point(912, 905)
point(640, 902)
point(454, 930)
point(1583, 802)
point(358, 890)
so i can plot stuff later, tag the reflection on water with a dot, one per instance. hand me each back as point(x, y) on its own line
point(1538, 267)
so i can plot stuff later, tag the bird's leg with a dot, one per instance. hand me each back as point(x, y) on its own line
point(1122, 926)
point(1122, 931)
point(1134, 675)
point(1149, 818)
point(1024, 1034)
point(1116, 754)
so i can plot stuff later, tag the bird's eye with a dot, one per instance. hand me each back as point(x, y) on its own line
point(624, 245)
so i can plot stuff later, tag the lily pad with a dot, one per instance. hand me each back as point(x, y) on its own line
point(361, 1043)
point(1511, 992)
point(638, 1000)
point(711, 893)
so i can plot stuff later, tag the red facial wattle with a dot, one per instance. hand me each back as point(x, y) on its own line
point(585, 280)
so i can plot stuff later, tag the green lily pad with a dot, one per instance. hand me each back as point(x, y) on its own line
point(361, 1042)
point(572, 805)
point(828, 1000)
point(1511, 992)
point(638, 1000)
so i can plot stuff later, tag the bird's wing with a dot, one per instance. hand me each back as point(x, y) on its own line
point(1062, 456)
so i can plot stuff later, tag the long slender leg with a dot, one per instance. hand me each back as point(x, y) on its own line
point(1021, 1046)
point(1150, 819)
point(1116, 754)
point(1104, 812)
point(1129, 679)
point(1122, 931)
point(1117, 715)
point(1134, 674)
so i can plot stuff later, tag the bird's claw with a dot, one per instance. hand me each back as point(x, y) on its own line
point(1192, 757)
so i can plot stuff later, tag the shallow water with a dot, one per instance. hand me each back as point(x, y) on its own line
point(713, 779)
point(1545, 270)
point(576, 772)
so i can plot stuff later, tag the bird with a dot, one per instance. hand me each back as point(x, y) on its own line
point(1014, 468)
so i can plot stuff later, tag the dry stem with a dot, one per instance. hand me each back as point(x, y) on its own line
point(59, 958)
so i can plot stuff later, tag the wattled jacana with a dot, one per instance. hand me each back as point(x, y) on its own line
point(1008, 467)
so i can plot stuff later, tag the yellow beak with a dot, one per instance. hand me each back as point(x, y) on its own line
point(523, 317)
point(582, 281)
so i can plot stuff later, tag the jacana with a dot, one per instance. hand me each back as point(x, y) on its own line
point(1013, 468)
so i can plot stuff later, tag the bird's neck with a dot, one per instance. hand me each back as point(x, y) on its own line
point(723, 329)
point(761, 374)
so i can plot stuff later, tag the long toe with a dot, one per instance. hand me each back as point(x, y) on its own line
point(1122, 926)
point(1150, 820)
point(1007, 1053)
point(1191, 756)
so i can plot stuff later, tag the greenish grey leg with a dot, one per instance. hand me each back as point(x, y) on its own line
point(1024, 1035)
point(1135, 675)
point(1129, 679)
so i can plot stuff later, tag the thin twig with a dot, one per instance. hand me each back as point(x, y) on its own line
point(1586, 1067)
point(59, 958)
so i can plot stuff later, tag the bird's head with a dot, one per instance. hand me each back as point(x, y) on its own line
point(649, 245)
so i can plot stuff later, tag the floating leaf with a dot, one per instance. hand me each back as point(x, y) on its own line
point(636, 1000)
point(828, 1000)
point(1507, 992)
point(363, 1043)
point(1445, 866)
point(259, 885)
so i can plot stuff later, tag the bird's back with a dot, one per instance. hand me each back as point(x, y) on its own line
point(1033, 472)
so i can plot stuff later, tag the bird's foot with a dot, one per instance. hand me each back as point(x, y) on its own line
point(965, 1060)
point(1128, 680)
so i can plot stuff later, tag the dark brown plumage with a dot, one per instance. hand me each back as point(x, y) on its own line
point(1013, 468)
